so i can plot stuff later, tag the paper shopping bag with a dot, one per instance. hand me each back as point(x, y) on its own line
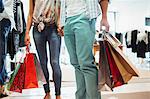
point(116, 76)
point(17, 79)
point(39, 71)
point(114, 68)
point(26, 75)
point(31, 80)
point(104, 73)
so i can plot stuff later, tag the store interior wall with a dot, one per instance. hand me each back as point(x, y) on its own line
point(130, 14)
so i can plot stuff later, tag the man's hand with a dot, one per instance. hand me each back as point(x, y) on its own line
point(104, 23)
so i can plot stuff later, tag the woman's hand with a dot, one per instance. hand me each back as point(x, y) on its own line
point(27, 39)
point(60, 30)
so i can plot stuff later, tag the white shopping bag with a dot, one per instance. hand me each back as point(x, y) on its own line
point(20, 55)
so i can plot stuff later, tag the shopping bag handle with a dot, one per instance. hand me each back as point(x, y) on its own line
point(103, 34)
point(107, 36)
point(28, 48)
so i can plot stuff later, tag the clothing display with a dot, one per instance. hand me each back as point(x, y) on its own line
point(138, 41)
point(20, 23)
point(16, 36)
point(19, 17)
point(8, 12)
point(5, 27)
point(131, 38)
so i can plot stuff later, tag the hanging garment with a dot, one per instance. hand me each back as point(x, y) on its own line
point(5, 27)
point(19, 16)
point(119, 36)
point(142, 36)
point(142, 41)
point(133, 40)
point(20, 21)
point(128, 39)
point(148, 45)
point(10, 45)
point(141, 49)
point(1, 6)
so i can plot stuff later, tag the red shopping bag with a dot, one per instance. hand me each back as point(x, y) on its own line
point(30, 73)
point(25, 77)
point(26, 74)
point(17, 80)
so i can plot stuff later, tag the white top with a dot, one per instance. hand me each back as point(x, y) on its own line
point(129, 38)
point(73, 7)
point(45, 11)
point(142, 36)
point(8, 12)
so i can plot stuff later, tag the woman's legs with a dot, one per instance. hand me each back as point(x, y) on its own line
point(54, 40)
point(40, 43)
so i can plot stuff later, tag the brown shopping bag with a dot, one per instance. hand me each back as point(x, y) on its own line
point(104, 73)
point(109, 75)
point(117, 79)
point(125, 69)
point(121, 59)
point(114, 68)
